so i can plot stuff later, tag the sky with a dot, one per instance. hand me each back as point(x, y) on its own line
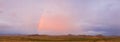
point(60, 17)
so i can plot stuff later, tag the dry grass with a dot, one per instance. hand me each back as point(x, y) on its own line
point(57, 39)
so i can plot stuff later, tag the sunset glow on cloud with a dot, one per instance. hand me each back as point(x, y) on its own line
point(57, 17)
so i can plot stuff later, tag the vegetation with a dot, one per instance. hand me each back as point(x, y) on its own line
point(60, 38)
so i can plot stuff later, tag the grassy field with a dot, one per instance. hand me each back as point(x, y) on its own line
point(45, 38)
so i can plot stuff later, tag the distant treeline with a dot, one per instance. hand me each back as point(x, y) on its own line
point(71, 35)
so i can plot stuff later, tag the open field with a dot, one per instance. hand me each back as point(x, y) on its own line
point(45, 38)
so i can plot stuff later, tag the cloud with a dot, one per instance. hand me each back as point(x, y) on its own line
point(60, 17)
